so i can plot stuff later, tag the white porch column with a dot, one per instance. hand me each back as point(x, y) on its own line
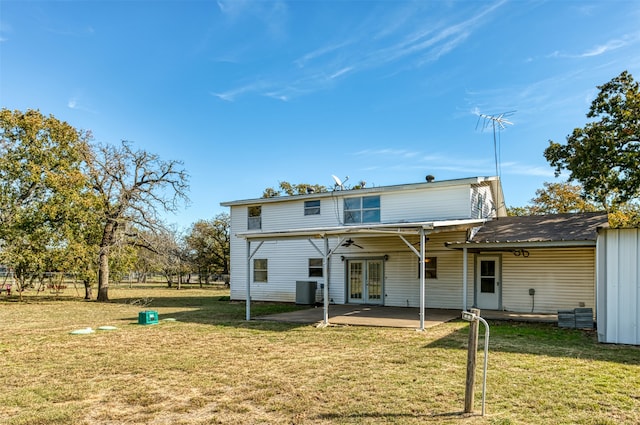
point(422, 280)
point(464, 278)
point(325, 273)
point(248, 288)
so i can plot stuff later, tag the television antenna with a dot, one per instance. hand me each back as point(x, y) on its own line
point(500, 121)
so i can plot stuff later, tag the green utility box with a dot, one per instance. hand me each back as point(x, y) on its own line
point(148, 317)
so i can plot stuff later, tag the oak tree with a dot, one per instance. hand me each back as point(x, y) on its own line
point(287, 189)
point(604, 155)
point(42, 191)
point(208, 243)
point(133, 188)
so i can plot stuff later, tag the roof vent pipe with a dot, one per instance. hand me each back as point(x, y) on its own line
point(430, 178)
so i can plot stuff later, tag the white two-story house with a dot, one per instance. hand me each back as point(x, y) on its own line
point(409, 245)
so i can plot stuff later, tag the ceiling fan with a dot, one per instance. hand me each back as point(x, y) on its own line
point(350, 242)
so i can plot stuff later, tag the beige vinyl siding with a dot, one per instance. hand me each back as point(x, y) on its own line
point(562, 279)
point(446, 290)
point(402, 283)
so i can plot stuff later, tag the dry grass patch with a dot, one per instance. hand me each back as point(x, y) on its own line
point(212, 367)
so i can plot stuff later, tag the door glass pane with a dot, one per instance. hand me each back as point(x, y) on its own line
point(488, 268)
point(355, 280)
point(488, 277)
point(374, 281)
point(488, 285)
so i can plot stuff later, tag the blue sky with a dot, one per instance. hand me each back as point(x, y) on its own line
point(251, 93)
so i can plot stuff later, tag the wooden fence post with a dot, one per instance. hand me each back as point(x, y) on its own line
point(471, 362)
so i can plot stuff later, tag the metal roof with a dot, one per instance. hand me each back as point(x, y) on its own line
point(409, 228)
point(576, 229)
point(364, 191)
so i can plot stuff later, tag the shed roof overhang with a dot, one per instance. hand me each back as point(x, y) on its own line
point(517, 245)
point(382, 229)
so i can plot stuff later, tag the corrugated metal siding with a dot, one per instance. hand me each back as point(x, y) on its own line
point(562, 279)
point(619, 286)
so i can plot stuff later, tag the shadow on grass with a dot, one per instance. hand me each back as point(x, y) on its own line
point(544, 339)
point(393, 417)
point(216, 311)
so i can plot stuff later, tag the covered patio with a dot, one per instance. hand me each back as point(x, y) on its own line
point(416, 318)
point(393, 317)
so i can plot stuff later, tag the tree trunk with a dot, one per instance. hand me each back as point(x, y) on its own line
point(103, 275)
point(103, 260)
point(88, 290)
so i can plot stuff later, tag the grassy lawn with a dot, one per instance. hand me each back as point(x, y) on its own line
point(209, 366)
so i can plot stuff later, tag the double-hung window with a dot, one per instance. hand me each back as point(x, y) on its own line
point(254, 221)
point(260, 270)
point(365, 209)
point(312, 207)
point(430, 268)
point(315, 267)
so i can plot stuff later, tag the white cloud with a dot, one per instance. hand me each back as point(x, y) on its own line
point(418, 39)
point(600, 49)
point(73, 103)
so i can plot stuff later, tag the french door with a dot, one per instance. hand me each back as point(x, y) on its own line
point(365, 281)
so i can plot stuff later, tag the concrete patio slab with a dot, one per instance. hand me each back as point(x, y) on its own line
point(395, 317)
point(359, 315)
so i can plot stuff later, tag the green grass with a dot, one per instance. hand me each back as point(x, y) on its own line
point(212, 367)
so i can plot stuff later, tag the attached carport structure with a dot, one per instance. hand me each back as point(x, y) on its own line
point(315, 235)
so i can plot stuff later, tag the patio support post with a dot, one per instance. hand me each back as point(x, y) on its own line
point(422, 291)
point(464, 278)
point(248, 294)
point(325, 273)
point(248, 291)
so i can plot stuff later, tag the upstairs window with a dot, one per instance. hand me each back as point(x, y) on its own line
point(312, 207)
point(362, 210)
point(255, 218)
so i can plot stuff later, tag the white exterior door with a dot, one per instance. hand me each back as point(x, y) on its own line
point(488, 283)
point(365, 281)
